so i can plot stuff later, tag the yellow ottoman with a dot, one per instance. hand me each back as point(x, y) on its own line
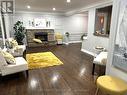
point(111, 85)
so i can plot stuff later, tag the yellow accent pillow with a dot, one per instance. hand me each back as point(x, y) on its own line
point(37, 40)
point(9, 57)
point(58, 35)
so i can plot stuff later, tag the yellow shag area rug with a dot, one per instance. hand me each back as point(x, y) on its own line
point(39, 60)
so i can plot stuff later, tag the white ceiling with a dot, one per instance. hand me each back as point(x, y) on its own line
point(47, 5)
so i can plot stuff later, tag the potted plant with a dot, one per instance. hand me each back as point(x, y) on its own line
point(19, 32)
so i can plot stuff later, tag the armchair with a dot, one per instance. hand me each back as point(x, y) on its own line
point(5, 69)
point(14, 48)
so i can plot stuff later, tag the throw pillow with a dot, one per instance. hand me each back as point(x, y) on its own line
point(14, 43)
point(9, 57)
point(8, 44)
point(37, 40)
point(2, 60)
point(11, 43)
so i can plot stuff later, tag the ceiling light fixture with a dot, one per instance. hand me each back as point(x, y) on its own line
point(28, 7)
point(54, 9)
point(68, 1)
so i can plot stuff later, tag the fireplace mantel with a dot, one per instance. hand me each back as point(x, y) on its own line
point(34, 28)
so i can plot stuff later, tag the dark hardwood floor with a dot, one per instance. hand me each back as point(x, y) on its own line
point(72, 78)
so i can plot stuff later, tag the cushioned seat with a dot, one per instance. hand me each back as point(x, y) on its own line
point(111, 85)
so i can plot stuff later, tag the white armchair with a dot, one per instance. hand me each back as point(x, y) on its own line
point(5, 69)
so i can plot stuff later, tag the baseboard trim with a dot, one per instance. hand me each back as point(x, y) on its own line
point(88, 52)
point(75, 42)
point(65, 43)
point(72, 42)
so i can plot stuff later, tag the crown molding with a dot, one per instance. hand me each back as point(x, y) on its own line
point(40, 13)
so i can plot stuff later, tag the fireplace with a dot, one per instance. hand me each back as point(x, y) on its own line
point(47, 36)
point(43, 36)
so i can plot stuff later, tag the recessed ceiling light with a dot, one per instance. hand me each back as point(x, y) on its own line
point(53, 9)
point(68, 1)
point(28, 7)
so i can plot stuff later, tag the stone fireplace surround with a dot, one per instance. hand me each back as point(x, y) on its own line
point(47, 36)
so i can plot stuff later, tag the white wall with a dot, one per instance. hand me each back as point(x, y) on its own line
point(54, 19)
point(74, 24)
point(92, 41)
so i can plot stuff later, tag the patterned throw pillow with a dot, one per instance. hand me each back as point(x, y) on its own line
point(14, 43)
point(2, 60)
point(8, 44)
point(11, 43)
point(8, 57)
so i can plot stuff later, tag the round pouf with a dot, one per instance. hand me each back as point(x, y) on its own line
point(112, 85)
